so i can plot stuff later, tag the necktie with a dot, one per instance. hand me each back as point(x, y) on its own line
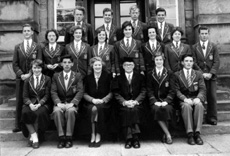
point(159, 75)
point(129, 78)
point(52, 51)
point(100, 51)
point(66, 77)
point(203, 46)
point(107, 27)
point(28, 47)
point(127, 43)
point(189, 78)
point(37, 84)
point(177, 45)
point(153, 47)
point(78, 23)
point(76, 48)
point(134, 25)
point(161, 29)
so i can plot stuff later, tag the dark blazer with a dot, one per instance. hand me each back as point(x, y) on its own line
point(140, 32)
point(81, 59)
point(209, 63)
point(172, 58)
point(107, 55)
point(48, 58)
point(123, 91)
point(88, 37)
point(148, 54)
point(100, 91)
point(37, 95)
point(196, 90)
point(159, 89)
point(74, 92)
point(22, 61)
point(113, 34)
point(134, 51)
point(167, 32)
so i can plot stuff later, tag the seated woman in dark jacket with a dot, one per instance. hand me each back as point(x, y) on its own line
point(97, 95)
point(35, 112)
point(161, 96)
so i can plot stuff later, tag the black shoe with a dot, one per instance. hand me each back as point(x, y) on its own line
point(29, 143)
point(168, 140)
point(97, 144)
point(128, 144)
point(16, 129)
point(214, 122)
point(61, 143)
point(91, 144)
point(191, 139)
point(69, 142)
point(163, 140)
point(136, 143)
point(35, 145)
point(198, 139)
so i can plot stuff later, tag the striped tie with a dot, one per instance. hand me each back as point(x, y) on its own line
point(28, 47)
point(189, 78)
point(52, 51)
point(100, 51)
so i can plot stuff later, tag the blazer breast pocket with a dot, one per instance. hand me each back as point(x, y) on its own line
point(195, 86)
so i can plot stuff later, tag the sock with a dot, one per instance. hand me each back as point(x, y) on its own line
point(34, 137)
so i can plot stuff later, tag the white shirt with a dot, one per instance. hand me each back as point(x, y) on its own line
point(66, 81)
point(129, 75)
point(185, 72)
point(130, 41)
point(105, 25)
point(153, 43)
point(136, 22)
point(206, 45)
point(174, 43)
point(25, 43)
point(52, 45)
point(35, 80)
point(100, 45)
point(162, 28)
point(78, 44)
point(159, 70)
point(77, 22)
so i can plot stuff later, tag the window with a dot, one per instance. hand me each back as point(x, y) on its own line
point(124, 9)
point(99, 13)
point(63, 13)
point(171, 6)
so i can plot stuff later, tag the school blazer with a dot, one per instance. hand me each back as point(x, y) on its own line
point(113, 34)
point(124, 91)
point(159, 89)
point(148, 54)
point(88, 37)
point(37, 95)
point(209, 63)
point(81, 59)
point(22, 60)
point(140, 32)
point(196, 90)
point(107, 55)
point(72, 94)
point(48, 58)
point(134, 51)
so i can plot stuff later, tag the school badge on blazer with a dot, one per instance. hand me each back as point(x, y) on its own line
point(59, 59)
point(85, 56)
point(211, 57)
point(34, 54)
point(74, 89)
point(136, 55)
point(115, 38)
point(195, 85)
point(107, 57)
point(166, 84)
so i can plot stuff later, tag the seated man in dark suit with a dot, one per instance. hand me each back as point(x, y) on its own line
point(66, 92)
point(191, 91)
point(129, 91)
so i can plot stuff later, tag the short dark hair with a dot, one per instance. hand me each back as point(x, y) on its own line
point(107, 10)
point(160, 10)
point(51, 30)
point(81, 8)
point(28, 25)
point(202, 28)
point(159, 54)
point(98, 31)
point(177, 29)
point(186, 55)
point(125, 24)
point(76, 28)
point(152, 27)
point(37, 62)
point(127, 59)
point(67, 56)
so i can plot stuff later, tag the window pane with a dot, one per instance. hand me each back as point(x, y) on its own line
point(99, 8)
point(65, 4)
point(124, 8)
point(123, 19)
point(98, 22)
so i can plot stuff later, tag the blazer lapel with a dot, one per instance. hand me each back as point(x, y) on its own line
point(112, 29)
point(31, 82)
point(42, 82)
point(32, 48)
point(199, 49)
point(56, 51)
point(72, 48)
point(82, 48)
point(61, 80)
point(95, 50)
point(105, 50)
point(147, 46)
point(181, 48)
point(23, 49)
point(122, 45)
point(154, 75)
point(174, 50)
point(71, 80)
point(137, 28)
point(165, 30)
point(193, 76)
point(164, 74)
point(133, 45)
point(183, 78)
point(209, 48)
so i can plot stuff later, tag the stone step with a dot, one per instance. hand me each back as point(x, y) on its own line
point(7, 123)
point(6, 111)
point(222, 105)
point(12, 102)
point(8, 135)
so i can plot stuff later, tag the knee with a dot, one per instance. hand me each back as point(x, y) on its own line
point(57, 112)
point(70, 112)
point(186, 106)
point(199, 105)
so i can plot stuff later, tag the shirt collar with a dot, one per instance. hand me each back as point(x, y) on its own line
point(30, 41)
point(153, 42)
point(159, 23)
point(174, 42)
point(159, 70)
point(64, 73)
point(136, 22)
point(103, 45)
point(127, 74)
point(80, 22)
point(130, 39)
point(186, 70)
point(39, 77)
point(105, 24)
point(205, 43)
point(53, 45)
point(77, 43)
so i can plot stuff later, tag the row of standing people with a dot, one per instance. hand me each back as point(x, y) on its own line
point(206, 54)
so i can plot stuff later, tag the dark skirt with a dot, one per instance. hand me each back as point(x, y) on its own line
point(162, 113)
point(103, 113)
point(41, 115)
point(130, 116)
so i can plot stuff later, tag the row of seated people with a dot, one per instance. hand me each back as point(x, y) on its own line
point(129, 90)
